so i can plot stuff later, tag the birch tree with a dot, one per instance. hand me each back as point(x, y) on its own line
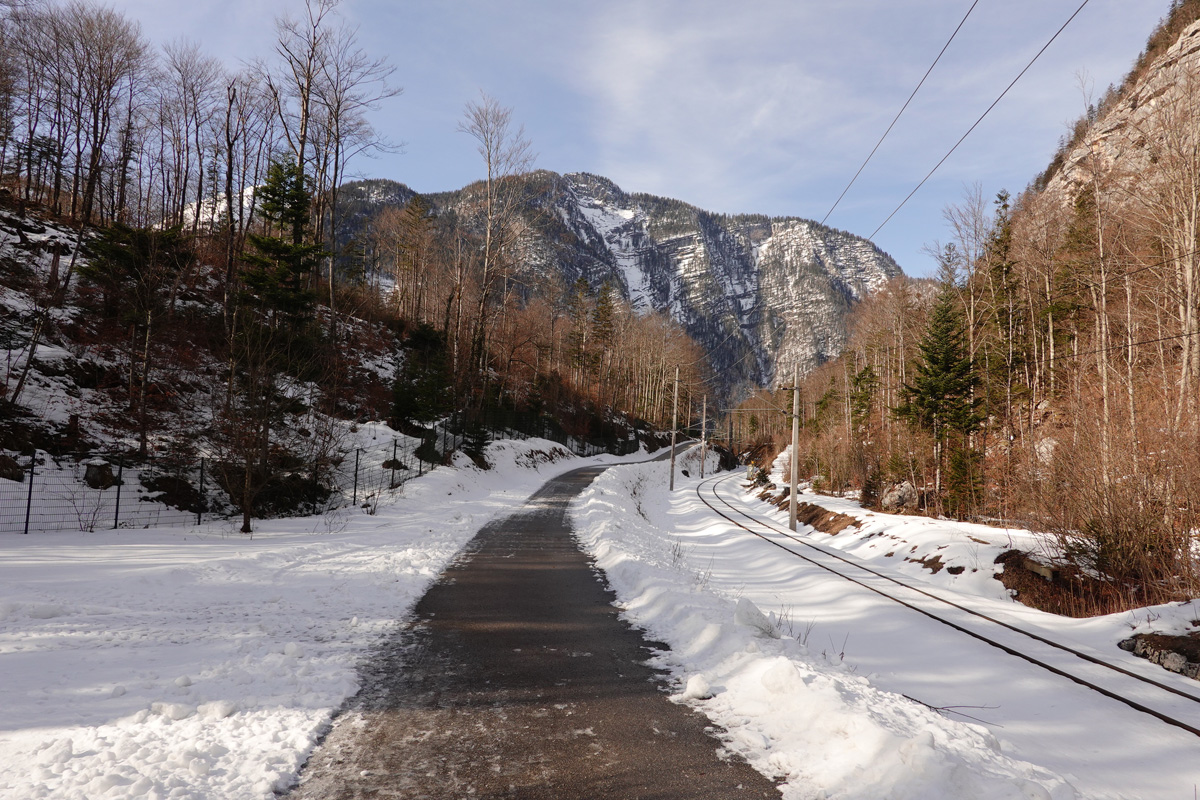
point(506, 155)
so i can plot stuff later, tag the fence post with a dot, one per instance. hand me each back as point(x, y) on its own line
point(200, 506)
point(120, 472)
point(394, 446)
point(356, 454)
point(29, 498)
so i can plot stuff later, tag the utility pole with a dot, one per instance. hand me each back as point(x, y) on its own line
point(674, 426)
point(703, 433)
point(795, 446)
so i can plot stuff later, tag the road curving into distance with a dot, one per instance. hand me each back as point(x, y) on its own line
point(515, 678)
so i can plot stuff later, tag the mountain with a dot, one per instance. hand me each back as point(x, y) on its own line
point(1136, 135)
point(759, 294)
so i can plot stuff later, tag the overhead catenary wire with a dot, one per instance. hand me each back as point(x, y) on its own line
point(900, 112)
point(1068, 356)
point(987, 111)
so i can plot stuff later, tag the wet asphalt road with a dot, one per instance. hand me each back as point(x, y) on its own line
point(516, 679)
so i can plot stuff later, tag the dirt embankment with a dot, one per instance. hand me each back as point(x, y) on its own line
point(822, 519)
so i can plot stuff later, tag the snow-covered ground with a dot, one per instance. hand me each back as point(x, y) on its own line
point(807, 673)
point(199, 663)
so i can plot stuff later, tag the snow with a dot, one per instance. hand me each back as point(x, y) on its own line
point(200, 663)
point(807, 673)
point(617, 226)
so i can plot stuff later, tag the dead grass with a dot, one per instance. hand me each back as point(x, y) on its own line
point(932, 563)
point(1068, 592)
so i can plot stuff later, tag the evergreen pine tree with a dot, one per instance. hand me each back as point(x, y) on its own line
point(941, 398)
point(272, 336)
point(422, 390)
point(134, 268)
point(603, 321)
point(278, 272)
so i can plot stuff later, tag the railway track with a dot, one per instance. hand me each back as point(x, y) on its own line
point(1170, 704)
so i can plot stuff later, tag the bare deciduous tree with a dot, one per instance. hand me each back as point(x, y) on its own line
point(301, 45)
point(507, 155)
point(351, 84)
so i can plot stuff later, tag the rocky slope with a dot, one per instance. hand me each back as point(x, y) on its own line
point(1151, 121)
point(760, 294)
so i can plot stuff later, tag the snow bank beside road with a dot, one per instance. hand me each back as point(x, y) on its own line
point(199, 663)
point(793, 709)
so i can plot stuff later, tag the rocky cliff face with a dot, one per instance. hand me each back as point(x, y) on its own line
point(1152, 121)
point(759, 294)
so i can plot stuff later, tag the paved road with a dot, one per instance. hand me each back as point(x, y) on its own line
point(516, 679)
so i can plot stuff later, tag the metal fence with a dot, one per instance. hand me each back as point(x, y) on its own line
point(367, 473)
point(107, 492)
point(110, 491)
point(94, 493)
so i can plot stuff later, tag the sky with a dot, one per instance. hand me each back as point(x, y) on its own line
point(767, 106)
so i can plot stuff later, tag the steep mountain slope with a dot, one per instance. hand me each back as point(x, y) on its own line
point(760, 294)
point(1149, 127)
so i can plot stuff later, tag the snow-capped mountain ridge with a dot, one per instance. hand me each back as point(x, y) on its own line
point(760, 294)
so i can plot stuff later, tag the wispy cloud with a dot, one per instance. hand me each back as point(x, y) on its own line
point(767, 105)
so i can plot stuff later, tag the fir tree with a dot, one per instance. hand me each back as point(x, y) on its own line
point(278, 273)
point(135, 268)
point(272, 337)
point(603, 317)
point(422, 391)
point(941, 398)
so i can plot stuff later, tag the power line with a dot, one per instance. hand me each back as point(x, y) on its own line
point(981, 118)
point(901, 111)
point(737, 329)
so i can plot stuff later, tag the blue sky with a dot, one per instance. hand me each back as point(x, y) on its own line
point(763, 106)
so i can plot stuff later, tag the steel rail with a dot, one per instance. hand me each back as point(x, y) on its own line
point(715, 481)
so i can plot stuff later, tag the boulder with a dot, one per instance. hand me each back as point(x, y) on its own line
point(10, 470)
point(99, 474)
point(902, 496)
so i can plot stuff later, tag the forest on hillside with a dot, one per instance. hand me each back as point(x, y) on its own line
point(1049, 379)
point(202, 206)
